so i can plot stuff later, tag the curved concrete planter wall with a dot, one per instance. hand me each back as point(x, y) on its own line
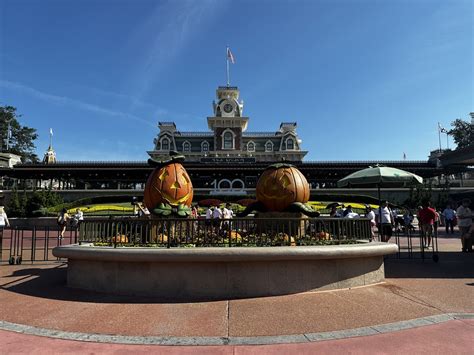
point(222, 273)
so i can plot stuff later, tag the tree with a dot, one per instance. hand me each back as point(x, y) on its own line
point(462, 133)
point(22, 137)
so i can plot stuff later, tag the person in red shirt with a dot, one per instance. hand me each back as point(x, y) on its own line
point(426, 219)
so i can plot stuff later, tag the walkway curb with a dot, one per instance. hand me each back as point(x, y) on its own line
point(259, 340)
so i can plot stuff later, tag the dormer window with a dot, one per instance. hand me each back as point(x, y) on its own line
point(269, 146)
point(165, 144)
point(205, 146)
point(290, 144)
point(186, 146)
point(228, 139)
point(251, 146)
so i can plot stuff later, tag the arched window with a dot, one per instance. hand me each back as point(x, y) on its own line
point(290, 144)
point(269, 146)
point(205, 146)
point(186, 146)
point(165, 144)
point(251, 146)
point(228, 140)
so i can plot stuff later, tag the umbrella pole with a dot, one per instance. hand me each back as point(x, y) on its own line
point(380, 214)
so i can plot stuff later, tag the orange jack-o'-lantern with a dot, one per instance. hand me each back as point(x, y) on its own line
point(169, 184)
point(281, 185)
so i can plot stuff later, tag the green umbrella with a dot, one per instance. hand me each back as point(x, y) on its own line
point(380, 176)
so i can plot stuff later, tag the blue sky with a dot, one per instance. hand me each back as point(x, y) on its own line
point(363, 79)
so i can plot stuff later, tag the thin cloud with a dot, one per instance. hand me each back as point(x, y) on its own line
point(67, 101)
point(174, 24)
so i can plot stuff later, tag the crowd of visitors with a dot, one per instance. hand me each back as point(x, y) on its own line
point(388, 219)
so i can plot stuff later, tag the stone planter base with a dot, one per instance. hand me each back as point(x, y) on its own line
point(223, 273)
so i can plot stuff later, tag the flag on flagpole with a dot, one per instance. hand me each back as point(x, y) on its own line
point(404, 156)
point(51, 131)
point(230, 56)
point(441, 129)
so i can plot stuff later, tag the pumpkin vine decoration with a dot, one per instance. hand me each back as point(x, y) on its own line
point(282, 188)
point(169, 190)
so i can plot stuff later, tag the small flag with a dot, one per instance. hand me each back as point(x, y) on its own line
point(51, 131)
point(404, 156)
point(230, 56)
point(441, 129)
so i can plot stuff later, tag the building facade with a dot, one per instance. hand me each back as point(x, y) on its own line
point(227, 140)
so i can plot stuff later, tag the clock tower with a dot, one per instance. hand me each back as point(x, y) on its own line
point(228, 121)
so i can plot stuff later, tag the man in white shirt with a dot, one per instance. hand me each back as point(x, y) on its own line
point(216, 218)
point(227, 215)
point(208, 217)
point(449, 215)
point(464, 215)
point(384, 222)
point(3, 219)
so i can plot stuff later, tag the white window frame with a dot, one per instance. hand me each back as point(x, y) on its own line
point(203, 143)
point(286, 143)
point(188, 144)
point(254, 146)
point(266, 145)
point(161, 143)
point(223, 140)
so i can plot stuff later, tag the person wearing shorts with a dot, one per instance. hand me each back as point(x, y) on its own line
point(427, 217)
point(384, 221)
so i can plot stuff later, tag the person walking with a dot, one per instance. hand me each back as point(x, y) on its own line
point(449, 217)
point(427, 218)
point(464, 216)
point(63, 218)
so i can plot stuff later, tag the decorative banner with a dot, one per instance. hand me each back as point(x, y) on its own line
point(210, 160)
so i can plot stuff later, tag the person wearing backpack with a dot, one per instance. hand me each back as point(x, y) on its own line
point(63, 218)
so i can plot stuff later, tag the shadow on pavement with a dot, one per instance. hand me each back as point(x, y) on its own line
point(50, 283)
point(454, 265)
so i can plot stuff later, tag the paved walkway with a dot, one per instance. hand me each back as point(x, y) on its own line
point(36, 295)
point(433, 339)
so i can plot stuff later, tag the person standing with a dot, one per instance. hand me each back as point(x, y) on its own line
point(216, 218)
point(63, 218)
point(4, 222)
point(427, 217)
point(464, 216)
point(371, 216)
point(449, 216)
point(78, 218)
point(384, 221)
point(227, 215)
point(209, 217)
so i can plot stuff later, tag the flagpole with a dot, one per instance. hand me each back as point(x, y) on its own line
point(50, 138)
point(227, 60)
point(9, 133)
point(439, 136)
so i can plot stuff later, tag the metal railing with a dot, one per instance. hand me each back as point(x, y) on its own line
point(33, 244)
point(225, 233)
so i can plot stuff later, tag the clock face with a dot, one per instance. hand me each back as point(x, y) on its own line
point(228, 108)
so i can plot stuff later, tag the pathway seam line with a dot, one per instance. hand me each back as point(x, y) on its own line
point(257, 340)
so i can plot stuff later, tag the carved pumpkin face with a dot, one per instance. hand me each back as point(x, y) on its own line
point(280, 185)
point(169, 184)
